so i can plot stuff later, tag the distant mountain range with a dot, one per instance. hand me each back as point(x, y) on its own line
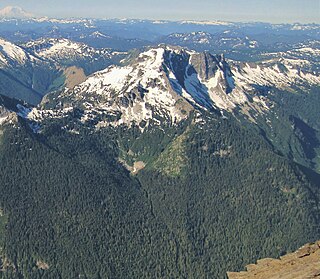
point(126, 34)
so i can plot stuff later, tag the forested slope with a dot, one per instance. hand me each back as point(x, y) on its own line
point(212, 197)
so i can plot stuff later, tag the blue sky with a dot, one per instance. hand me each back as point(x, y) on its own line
point(276, 11)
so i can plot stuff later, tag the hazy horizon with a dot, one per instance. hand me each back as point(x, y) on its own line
point(274, 11)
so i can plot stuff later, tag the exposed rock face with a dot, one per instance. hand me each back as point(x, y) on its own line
point(74, 76)
point(4, 114)
point(302, 264)
point(166, 84)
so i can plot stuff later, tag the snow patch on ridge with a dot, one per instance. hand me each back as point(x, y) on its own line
point(140, 89)
point(3, 119)
point(163, 84)
point(64, 49)
point(9, 51)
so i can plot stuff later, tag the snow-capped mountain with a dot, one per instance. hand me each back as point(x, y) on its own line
point(167, 83)
point(302, 54)
point(66, 52)
point(63, 49)
point(98, 35)
point(23, 75)
point(12, 55)
point(15, 13)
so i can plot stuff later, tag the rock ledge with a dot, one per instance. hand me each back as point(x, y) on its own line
point(302, 264)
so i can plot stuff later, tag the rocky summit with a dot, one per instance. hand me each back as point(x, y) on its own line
point(302, 264)
point(165, 84)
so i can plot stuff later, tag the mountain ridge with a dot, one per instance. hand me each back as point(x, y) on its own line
point(176, 81)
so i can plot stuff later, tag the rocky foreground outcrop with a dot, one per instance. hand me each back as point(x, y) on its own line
point(302, 264)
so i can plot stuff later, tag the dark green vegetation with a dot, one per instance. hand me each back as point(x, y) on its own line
point(72, 210)
point(293, 126)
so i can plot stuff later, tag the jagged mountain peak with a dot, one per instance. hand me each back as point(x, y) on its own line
point(137, 91)
point(164, 84)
